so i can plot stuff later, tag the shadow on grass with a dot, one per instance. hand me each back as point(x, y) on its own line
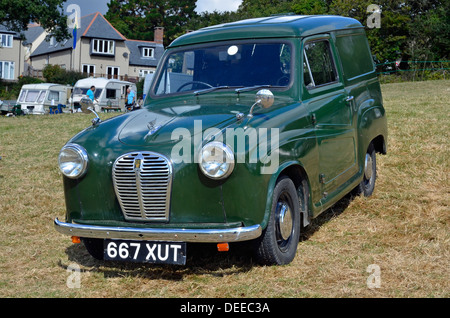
point(202, 258)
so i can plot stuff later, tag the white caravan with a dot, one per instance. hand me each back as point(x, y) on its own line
point(38, 98)
point(109, 93)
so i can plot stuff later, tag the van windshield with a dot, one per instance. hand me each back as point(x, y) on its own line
point(225, 66)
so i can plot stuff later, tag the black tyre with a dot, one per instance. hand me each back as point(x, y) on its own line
point(94, 247)
point(278, 243)
point(367, 185)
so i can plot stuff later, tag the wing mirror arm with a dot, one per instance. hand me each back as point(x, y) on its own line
point(86, 107)
point(264, 98)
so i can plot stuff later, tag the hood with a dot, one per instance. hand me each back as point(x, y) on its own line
point(163, 125)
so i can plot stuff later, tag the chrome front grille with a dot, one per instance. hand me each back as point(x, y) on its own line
point(142, 181)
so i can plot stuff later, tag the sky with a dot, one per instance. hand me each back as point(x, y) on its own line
point(90, 6)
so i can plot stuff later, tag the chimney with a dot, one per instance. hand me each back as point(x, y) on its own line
point(159, 35)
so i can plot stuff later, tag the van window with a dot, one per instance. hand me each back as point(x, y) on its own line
point(110, 93)
point(41, 97)
point(318, 68)
point(32, 96)
point(355, 55)
point(53, 95)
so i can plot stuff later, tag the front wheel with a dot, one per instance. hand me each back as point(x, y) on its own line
point(278, 243)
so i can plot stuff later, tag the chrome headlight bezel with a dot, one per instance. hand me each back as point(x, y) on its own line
point(79, 165)
point(224, 165)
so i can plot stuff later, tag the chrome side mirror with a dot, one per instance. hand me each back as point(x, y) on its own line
point(264, 98)
point(87, 107)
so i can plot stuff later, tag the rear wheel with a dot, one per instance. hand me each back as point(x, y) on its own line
point(278, 243)
point(367, 185)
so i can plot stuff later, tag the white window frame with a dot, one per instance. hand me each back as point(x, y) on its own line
point(148, 52)
point(7, 70)
point(112, 68)
point(6, 40)
point(143, 73)
point(103, 46)
point(89, 66)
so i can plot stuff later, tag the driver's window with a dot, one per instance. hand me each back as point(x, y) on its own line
point(318, 66)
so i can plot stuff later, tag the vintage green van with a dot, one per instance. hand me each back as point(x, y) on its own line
point(250, 130)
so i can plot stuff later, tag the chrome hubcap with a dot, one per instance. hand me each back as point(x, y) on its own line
point(284, 218)
point(368, 167)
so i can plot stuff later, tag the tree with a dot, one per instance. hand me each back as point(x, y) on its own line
point(137, 19)
point(17, 14)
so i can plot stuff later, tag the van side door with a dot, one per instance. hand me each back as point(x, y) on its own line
point(327, 101)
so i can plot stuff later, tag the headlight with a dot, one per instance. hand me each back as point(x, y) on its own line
point(216, 160)
point(73, 161)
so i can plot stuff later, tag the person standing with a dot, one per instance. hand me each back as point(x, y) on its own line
point(90, 93)
point(131, 98)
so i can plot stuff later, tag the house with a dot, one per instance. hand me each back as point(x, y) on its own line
point(101, 51)
point(98, 50)
point(11, 48)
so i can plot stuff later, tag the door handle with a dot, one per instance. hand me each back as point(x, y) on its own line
point(349, 98)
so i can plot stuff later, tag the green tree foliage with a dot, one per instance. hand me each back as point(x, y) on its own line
point(136, 19)
point(56, 74)
point(17, 14)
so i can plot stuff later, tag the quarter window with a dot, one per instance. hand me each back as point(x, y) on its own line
point(318, 68)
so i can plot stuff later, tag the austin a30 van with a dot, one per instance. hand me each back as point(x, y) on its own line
point(249, 131)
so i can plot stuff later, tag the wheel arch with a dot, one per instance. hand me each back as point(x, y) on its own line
point(297, 173)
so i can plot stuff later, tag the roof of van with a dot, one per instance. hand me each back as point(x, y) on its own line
point(98, 82)
point(281, 26)
point(43, 86)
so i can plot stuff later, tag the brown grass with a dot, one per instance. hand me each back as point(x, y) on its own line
point(403, 228)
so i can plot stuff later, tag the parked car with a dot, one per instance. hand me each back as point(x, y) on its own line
point(109, 93)
point(249, 131)
point(39, 98)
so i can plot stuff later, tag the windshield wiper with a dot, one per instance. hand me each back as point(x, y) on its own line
point(212, 89)
point(251, 88)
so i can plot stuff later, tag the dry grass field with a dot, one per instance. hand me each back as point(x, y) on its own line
point(402, 230)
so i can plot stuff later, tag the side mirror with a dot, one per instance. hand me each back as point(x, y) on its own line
point(264, 98)
point(87, 107)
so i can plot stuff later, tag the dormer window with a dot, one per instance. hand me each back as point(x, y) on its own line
point(148, 52)
point(102, 47)
point(6, 40)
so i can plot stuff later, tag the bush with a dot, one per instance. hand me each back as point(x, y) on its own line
point(55, 74)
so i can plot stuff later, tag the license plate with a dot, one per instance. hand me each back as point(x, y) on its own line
point(145, 252)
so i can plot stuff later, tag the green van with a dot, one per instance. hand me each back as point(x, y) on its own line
point(249, 131)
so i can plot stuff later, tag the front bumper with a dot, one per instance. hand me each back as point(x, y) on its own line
point(152, 234)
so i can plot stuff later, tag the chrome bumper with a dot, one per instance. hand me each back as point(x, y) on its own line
point(157, 234)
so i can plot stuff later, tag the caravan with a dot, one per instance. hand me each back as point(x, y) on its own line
point(110, 94)
point(39, 98)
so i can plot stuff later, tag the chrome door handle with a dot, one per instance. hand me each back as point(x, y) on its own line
point(349, 98)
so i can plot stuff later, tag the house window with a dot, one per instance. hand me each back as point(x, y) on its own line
point(7, 70)
point(147, 52)
point(143, 73)
point(89, 69)
point(102, 47)
point(6, 40)
point(112, 71)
